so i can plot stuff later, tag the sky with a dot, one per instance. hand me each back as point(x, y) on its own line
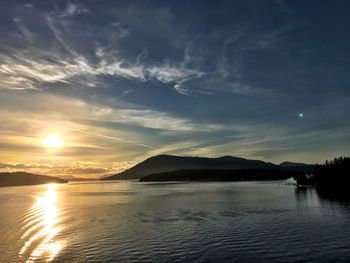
point(120, 81)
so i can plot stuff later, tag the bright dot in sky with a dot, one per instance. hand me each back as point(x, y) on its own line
point(301, 115)
point(53, 141)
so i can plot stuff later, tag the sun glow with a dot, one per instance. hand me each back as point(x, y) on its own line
point(53, 141)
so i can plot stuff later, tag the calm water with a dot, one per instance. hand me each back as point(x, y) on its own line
point(190, 222)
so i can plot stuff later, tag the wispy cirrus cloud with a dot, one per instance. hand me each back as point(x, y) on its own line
point(132, 115)
point(68, 64)
point(26, 70)
point(74, 9)
point(33, 67)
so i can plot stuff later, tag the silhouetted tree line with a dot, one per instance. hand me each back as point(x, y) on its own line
point(332, 173)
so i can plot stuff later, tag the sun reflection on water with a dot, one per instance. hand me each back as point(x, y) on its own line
point(42, 228)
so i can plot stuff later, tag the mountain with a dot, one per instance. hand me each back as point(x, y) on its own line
point(23, 178)
point(291, 164)
point(302, 167)
point(168, 163)
point(221, 175)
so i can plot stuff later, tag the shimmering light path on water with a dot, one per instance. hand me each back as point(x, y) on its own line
point(42, 225)
point(175, 222)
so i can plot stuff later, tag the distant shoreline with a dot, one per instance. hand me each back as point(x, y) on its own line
point(219, 175)
point(25, 179)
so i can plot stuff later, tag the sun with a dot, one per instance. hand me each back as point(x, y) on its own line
point(53, 141)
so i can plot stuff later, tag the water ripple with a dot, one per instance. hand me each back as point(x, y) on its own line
point(174, 223)
point(41, 227)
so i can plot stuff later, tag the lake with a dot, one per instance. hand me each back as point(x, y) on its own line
point(172, 222)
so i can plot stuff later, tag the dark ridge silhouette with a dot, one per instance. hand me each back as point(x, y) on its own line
point(334, 173)
point(23, 178)
point(169, 163)
point(302, 167)
point(221, 175)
